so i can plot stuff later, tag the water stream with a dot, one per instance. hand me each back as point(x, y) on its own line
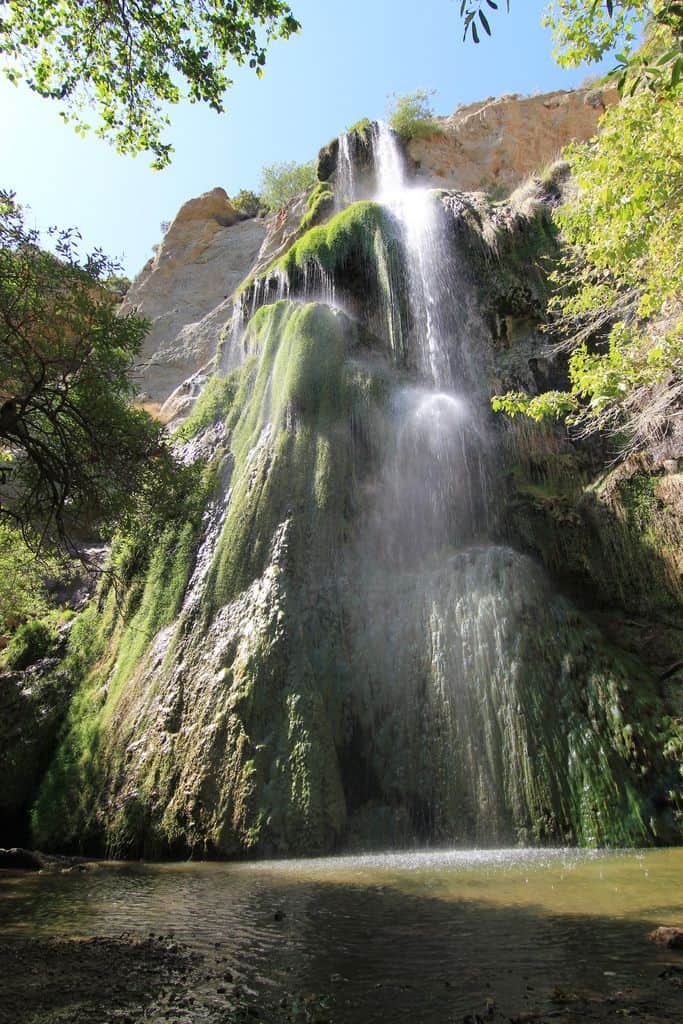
point(387, 937)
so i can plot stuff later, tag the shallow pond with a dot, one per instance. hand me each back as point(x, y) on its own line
point(421, 936)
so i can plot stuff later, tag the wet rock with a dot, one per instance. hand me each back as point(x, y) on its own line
point(672, 938)
point(17, 859)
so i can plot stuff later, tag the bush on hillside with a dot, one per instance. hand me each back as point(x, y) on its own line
point(282, 182)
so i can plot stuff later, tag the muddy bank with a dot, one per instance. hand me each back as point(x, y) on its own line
point(89, 980)
point(156, 980)
point(131, 980)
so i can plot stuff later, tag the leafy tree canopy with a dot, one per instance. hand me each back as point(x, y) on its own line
point(476, 14)
point(619, 287)
point(126, 58)
point(282, 182)
point(72, 449)
point(585, 30)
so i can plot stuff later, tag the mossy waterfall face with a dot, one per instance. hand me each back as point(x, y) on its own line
point(342, 651)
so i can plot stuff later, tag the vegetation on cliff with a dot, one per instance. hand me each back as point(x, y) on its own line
point(618, 306)
point(282, 182)
point(412, 116)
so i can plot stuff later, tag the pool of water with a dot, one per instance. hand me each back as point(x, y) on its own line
point(432, 933)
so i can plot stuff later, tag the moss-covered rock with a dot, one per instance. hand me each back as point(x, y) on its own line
point(201, 723)
point(319, 205)
point(354, 261)
point(29, 643)
point(492, 711)
point(277, 675)
point(33, 704)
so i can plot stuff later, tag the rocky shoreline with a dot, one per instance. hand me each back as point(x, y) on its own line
point(157, 980)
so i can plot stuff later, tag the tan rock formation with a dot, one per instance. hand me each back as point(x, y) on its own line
point(498, 142)
point(283, 228)
point(185, 291)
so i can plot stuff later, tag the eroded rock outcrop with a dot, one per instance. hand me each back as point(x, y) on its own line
point(185, 290)
point(495, 144)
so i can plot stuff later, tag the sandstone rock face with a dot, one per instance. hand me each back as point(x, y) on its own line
point(185, 291)
point(498, 142)
point(283, 228)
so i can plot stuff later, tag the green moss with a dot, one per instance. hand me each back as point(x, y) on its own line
point(611, 537)
point(360, 248)
point(213, 404)
point(319, 204)
point(298, 395)
point(349, 233)
point(141, 593)
point(528, 722)
point(261, 771)
point(639, 499)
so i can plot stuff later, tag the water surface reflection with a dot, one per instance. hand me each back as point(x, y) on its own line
point(429, 933)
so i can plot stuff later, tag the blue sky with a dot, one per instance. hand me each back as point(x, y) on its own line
point(349, 57)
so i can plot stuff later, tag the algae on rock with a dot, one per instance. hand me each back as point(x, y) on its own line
point(336, 642)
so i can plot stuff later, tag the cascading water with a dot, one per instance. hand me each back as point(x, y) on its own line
point(426, 254)
point(466, 640)
point(342, 651)
point(345, 184)
point(438, 475)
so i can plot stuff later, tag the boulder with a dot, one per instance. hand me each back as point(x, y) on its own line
point(18, 859)
point(672, 938)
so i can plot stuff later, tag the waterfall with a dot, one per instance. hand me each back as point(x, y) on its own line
point(343, 649)
point(345, 187)
point(439, 476)
point(432, 278)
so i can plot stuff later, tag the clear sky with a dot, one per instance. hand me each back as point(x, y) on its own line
point(349, 57)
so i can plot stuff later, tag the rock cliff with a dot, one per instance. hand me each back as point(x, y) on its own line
point(383, 615)
point(186, 289)
point(374, 634)
point(495, 144)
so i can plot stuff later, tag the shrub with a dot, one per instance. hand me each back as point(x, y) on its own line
point(282, 182)
point(248, 204)
point(23, 594)
point(31, 642)
point(412, 116)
